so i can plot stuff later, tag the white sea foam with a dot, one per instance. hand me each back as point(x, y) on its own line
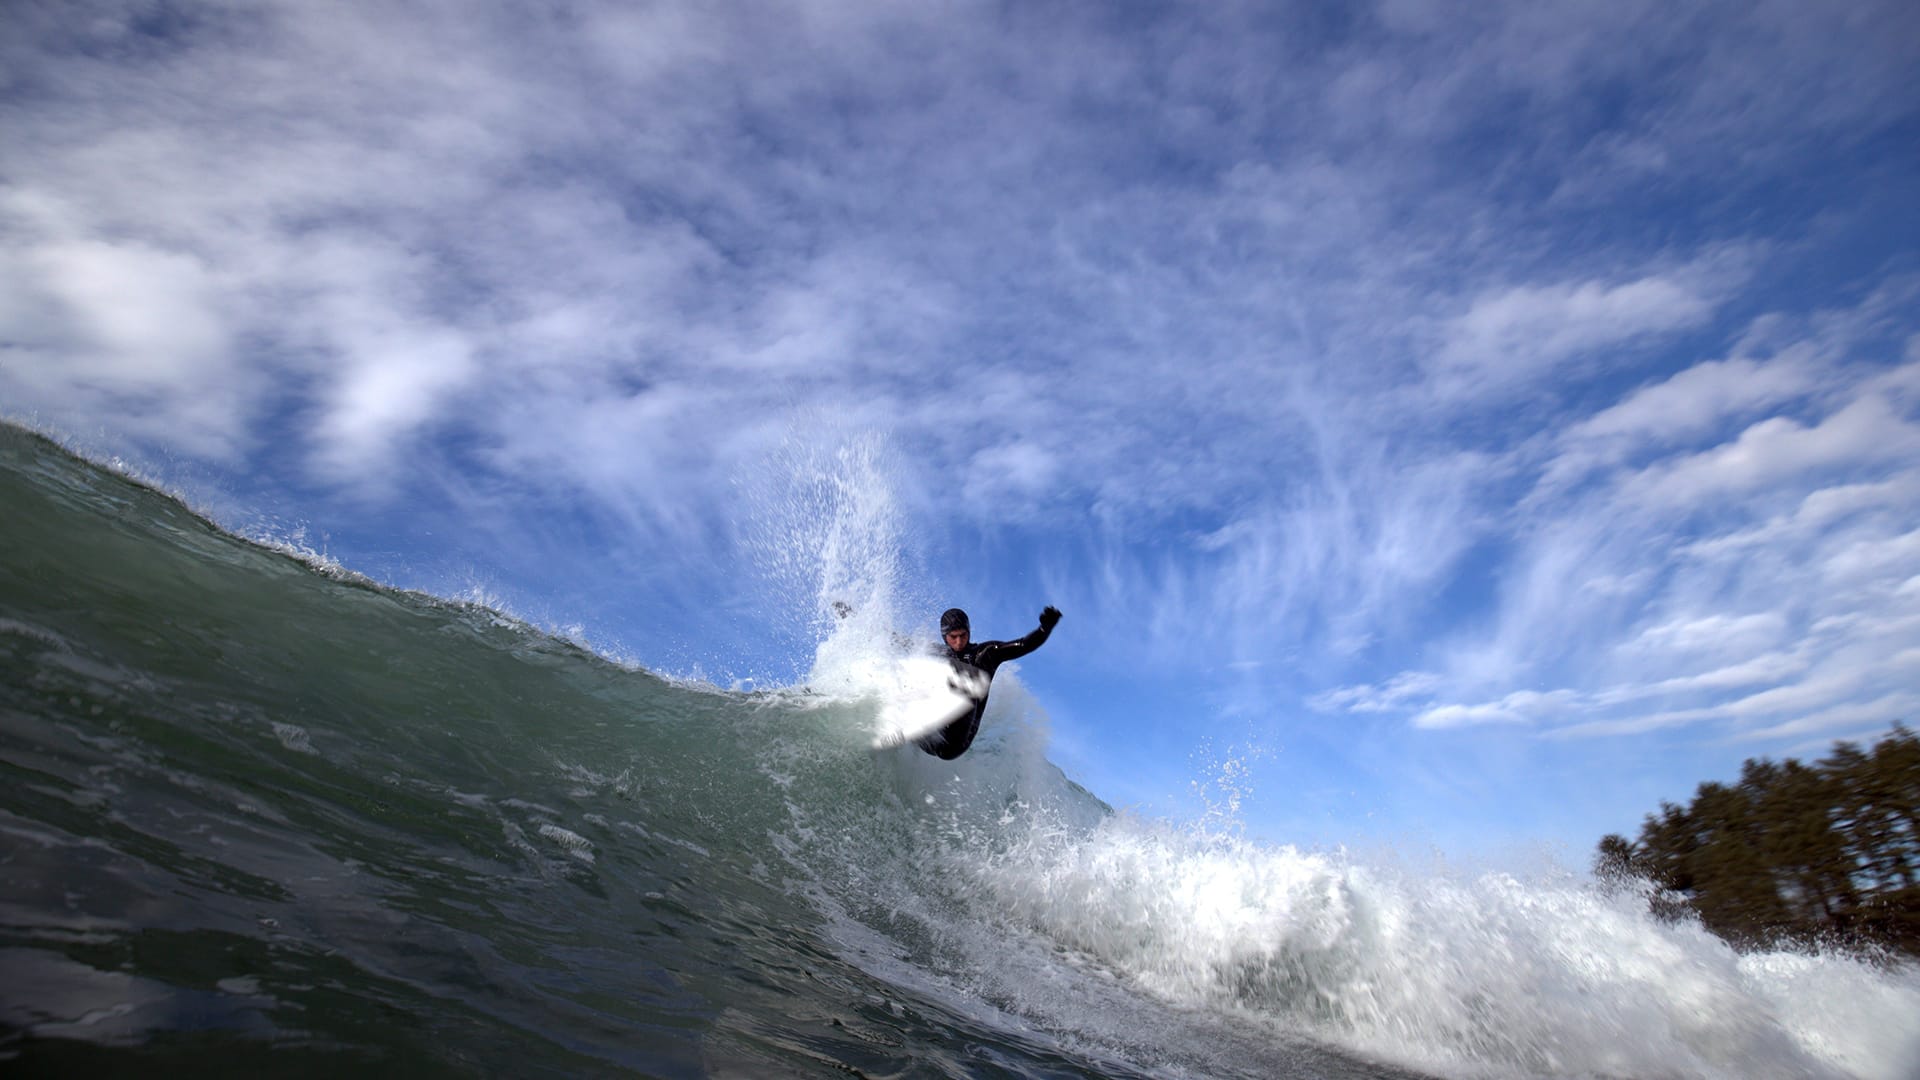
point(1451, 972)
point(576, 845)
point(1464, 975)
point(294, 738)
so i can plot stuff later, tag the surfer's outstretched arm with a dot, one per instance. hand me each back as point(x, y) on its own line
point(994, 653)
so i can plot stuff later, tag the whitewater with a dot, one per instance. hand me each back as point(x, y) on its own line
point(260, 814)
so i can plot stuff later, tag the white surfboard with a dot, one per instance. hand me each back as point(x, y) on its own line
point(926, 693)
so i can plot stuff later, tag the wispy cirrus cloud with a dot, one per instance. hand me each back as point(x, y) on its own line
point(1509, 339)
point(1750, 564)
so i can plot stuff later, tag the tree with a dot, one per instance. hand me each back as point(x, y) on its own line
point(1797, 852)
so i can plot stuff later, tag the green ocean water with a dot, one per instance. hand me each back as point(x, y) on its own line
point(260, 815)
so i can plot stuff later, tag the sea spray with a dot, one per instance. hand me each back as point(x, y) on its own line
point(1464, 975)
point(823, 528)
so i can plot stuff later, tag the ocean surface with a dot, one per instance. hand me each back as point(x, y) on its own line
point(259, 815)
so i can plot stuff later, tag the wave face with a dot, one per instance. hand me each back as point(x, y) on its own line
point(259, 813)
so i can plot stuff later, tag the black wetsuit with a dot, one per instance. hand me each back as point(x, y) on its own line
point(987, 656)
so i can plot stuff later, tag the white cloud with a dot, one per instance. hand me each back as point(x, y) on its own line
point(1697, 400)
point(1522, 334)
point(1766, 668)
point(1691, 404)
point(1725, 568)
point(124, 330)
point(1519, 707)
point(1716, 634)
point(1874, 561)
point(1832, 684)
point(1395, 693)
point(1876, 715)
point(393, 383)
point(1779, 451)
point(147, 314)
point(1820, 510)
point(1012, 472)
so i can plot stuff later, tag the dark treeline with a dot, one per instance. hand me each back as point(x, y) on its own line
point(1826, 852)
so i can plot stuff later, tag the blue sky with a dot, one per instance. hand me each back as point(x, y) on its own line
point(1479, 424)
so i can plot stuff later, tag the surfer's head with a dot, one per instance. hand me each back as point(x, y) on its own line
point(954, 627)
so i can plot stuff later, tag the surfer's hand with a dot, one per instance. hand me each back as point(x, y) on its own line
point(1049, 616)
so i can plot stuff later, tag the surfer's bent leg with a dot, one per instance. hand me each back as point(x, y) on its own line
point(952, 741)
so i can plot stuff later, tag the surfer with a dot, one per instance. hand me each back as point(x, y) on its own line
point(986, 657)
